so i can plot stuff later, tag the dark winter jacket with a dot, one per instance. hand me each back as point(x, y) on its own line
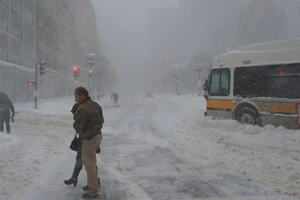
point(74, 108)
point(6, 105)
point(88, 119)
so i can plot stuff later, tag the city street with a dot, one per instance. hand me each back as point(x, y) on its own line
point(142, 155)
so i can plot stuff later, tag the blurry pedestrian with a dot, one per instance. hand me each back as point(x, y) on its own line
point(115, 97)
point(88, 122)
point(7, 111)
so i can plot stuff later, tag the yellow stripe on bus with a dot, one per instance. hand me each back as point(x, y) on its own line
point(221, 104)
point(272, 107)
point(277, 107)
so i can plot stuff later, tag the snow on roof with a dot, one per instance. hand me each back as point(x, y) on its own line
point(277, 52)
point(270, 46)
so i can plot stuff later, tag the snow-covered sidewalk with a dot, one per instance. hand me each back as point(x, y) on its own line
point(25, 152)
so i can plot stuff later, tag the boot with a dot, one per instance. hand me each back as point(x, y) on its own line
point(86, 188)
point(73, 180)
point(8, 128)
point(90, 196)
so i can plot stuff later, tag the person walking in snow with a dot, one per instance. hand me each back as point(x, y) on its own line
point(78, 164)
point(88, 122)
point(115, 97)
point(7, 111)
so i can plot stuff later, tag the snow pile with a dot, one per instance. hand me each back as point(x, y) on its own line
point(269, 154)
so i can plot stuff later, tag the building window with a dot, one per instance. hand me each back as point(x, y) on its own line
point(29, 4)
point(28, 15)
point(16, 24)
point(3, 46)
point(15, 55)
point(28, 32)
point(28, 56)
point(17, 4)
point(3, 15)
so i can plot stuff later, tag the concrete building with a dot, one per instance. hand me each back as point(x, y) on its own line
point(16, 46)
point(42, 30)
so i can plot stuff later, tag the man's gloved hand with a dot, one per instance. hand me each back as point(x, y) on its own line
point(13, 117)
point(98, 150)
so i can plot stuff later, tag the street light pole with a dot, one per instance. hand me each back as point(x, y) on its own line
point(174, 69)
point(39, 71)
point(36, 85)
point(176, 82)
point(90, 63)
point(198, 69)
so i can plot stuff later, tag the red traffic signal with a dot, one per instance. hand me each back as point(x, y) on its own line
point(75, 68)
point(76, 71)
point(30, 83)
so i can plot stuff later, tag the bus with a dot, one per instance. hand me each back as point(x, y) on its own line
point(257, 84)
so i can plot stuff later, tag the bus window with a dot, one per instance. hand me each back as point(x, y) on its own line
point(284, 86)
point(248, 81)
point(219, 82)
point(276, 81)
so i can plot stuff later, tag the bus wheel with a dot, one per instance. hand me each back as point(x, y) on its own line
point(247, 116)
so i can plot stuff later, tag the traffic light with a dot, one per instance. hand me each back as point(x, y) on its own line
point(30, 83)
point(76, 71)
point(42, 68)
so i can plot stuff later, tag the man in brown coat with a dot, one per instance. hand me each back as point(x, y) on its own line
point(88, 122)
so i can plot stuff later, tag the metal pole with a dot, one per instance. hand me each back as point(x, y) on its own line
point(90, 63)
point(36, 86)
point(90, 77)
point(177, 88)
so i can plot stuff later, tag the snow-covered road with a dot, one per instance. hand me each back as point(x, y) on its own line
point(161, 148)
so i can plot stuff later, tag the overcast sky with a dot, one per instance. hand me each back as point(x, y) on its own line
point(122, 26)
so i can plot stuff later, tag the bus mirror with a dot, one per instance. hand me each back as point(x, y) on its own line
point(206, 86)
point(206, 96)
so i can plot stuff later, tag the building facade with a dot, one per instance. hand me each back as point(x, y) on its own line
point(16, 46)
point(39, 30)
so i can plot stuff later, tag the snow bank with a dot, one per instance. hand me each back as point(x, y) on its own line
point(268, 154)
